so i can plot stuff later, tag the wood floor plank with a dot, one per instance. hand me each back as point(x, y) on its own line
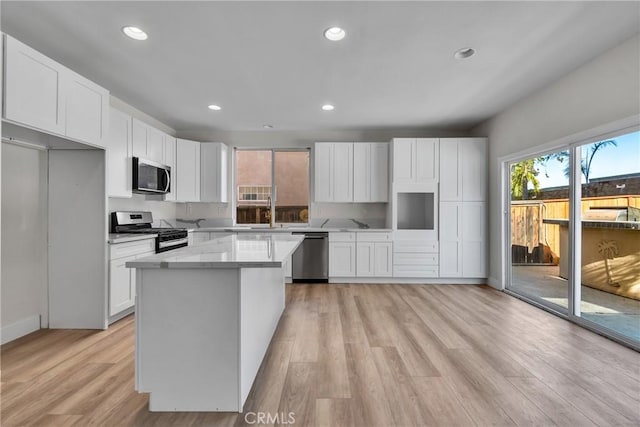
point(333, 413)
point(354, 355)
point(298, 397)
point(333, 376)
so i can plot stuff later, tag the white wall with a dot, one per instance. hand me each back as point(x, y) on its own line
point(603, 91)
point(24, 231)
point(300, 139)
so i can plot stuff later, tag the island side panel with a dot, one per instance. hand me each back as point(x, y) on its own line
point(187, 338)
point(262, 301)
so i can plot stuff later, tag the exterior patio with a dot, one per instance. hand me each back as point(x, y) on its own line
point(615, 312)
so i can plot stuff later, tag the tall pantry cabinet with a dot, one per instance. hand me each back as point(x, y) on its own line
point(463, 207)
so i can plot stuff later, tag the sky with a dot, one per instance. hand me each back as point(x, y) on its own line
point(608, 161)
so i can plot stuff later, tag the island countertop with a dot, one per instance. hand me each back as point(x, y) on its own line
point(244, 250)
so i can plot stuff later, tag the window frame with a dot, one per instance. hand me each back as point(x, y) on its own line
point(274, 190)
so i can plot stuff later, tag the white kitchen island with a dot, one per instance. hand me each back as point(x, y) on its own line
point(205, 315)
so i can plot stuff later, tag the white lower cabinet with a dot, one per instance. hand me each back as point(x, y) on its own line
point(122, 280)
point(342, 259)
point(463, 251)
point(374, 254)
point(122, 285)
point(415, 258)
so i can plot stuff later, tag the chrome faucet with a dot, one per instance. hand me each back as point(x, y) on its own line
point(268, 213)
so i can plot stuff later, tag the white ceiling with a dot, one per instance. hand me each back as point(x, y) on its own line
point(267, 62)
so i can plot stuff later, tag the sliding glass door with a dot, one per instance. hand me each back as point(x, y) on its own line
point(610, 243)
point(539, 212)
point(574, 233)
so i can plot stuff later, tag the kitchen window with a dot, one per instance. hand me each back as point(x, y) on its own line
point(272, 183)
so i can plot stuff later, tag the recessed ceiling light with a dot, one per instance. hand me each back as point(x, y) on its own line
point(215, 107)
point(464, 53)
point(135, 33)
point(328, 107)
point(334, 34)
point(267, 126)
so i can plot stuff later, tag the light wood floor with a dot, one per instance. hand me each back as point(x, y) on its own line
point(359, 355)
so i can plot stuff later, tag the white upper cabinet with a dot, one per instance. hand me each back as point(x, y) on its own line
point(45, 95)
point(415, 160)
point(343, 172)
point(87, 112)
point(351, 172)
point(170, 160)
point(333, 172)
point(323, 171)
point(148, 142)
point(119, 154)
point(213, 170)
point(450, 170)
point(155, 145)
point(33, 88)
point(187, 175)
point(370, 172)
point(463, 169)
point(474, 169)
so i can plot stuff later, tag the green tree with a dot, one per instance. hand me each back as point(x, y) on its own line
point(522, 174)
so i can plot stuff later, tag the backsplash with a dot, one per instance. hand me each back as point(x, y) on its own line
point(164, 213)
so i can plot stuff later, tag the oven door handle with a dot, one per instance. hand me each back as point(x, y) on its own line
point(169, 243)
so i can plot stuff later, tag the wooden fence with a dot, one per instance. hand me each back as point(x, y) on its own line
point(528, 230)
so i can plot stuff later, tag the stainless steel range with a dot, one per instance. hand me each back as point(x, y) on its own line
point(140, 223)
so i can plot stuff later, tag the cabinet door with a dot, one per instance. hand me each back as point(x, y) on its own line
point(365, 259)
point(343, 172)
point(121, 291)
point(213, 169)
point(119, 154)
point(362, 172)
point(323, 172)
point(474, 169)
point(187, 170)
point(450, 168)
point(139, 132)
point(87, 110)
point(474, 239)
point(383, 260)
point(379, 172)
point(342, 259)
point(155, 145)
point(451, 256)
point(201, 236)
point(404, 162)
point(427, 159)
point(34, 93)
point(170, 160)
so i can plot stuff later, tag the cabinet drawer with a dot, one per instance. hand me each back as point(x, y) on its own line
point(415, 258)
point(373, 237)
point(415, 246)
point(342, 237)
point(119, 250)
point(416, 271)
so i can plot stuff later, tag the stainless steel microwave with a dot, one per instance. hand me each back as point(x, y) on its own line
point(150, 177)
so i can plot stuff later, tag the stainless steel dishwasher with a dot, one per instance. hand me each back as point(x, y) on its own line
point(310, 262)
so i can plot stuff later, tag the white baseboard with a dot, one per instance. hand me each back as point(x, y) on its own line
point(401, 281)
point(19, 329)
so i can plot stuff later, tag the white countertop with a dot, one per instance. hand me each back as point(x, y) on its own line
point(236, 251)
point(124, 237)
point(242, 229)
